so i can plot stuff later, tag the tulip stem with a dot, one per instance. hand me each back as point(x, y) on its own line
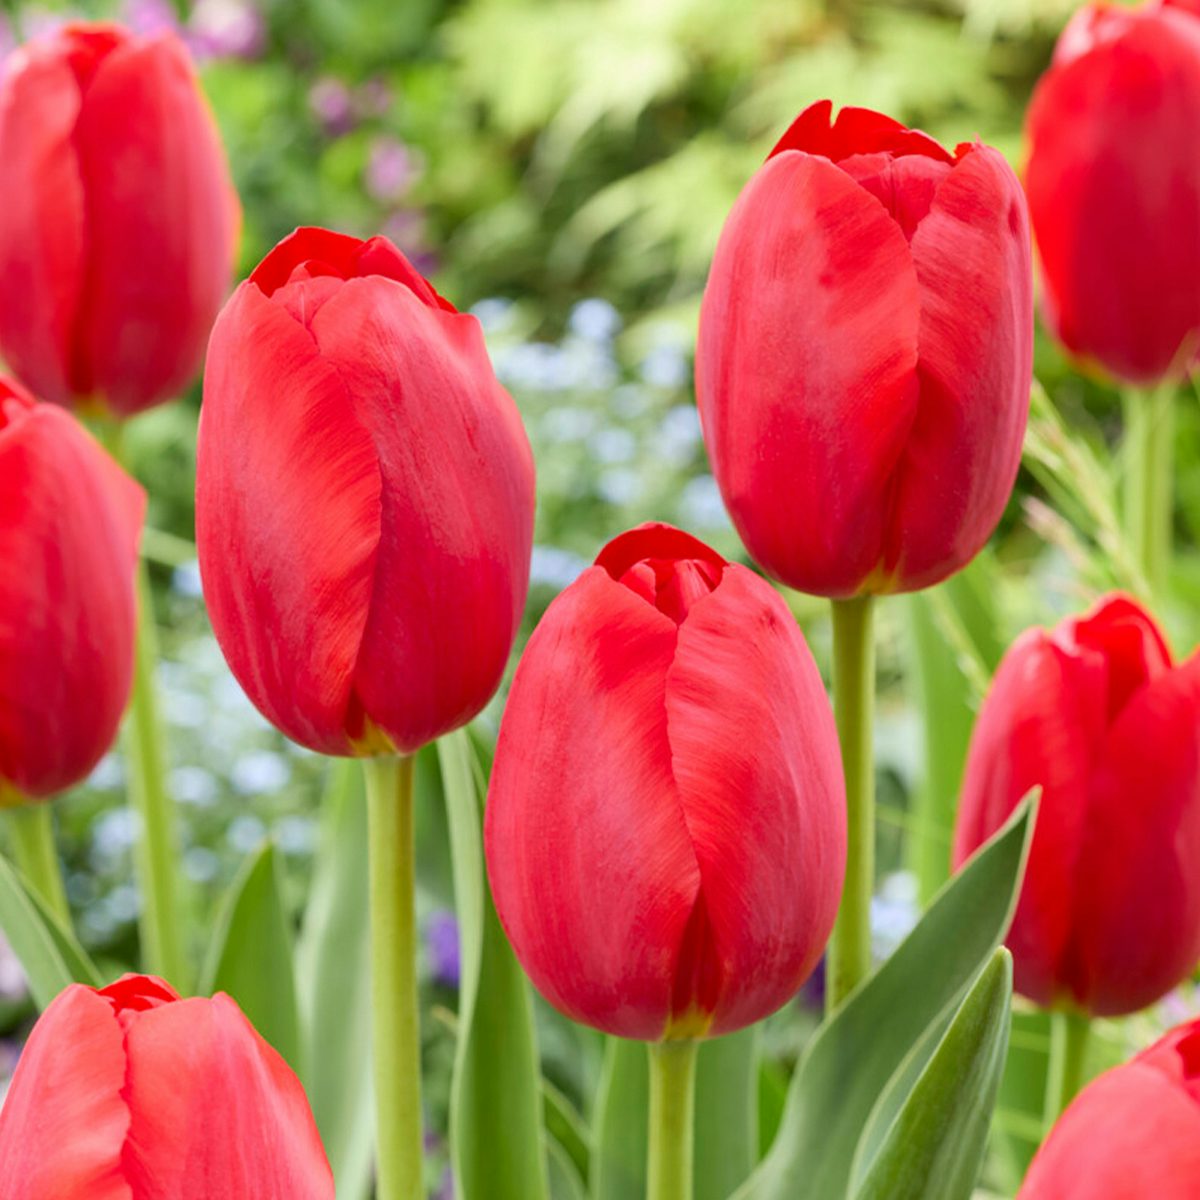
point(1067, 1071)
point(1149, 467)
point(156, 849)
point(394, 999)
point(672, 1120)
point(31, 835)
point(848, 959)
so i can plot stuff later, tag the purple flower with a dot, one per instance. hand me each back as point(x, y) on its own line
point(149, 16)
point(441, 944)
point(330, 102)
point(406, 228)
point(226, 29)
point(392, 169)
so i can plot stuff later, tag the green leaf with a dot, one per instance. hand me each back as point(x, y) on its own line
point(926, 1139)
point(851, 1058)
point(726, 1118)
point(49, 954)
point(250, 956)
point(333, 972)
point(567, 1128)
point(497, 1145)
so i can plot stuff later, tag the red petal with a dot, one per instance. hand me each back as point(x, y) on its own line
point(457, 506)
point(309, 243)
point(654, 539)
point(162, 221)
point(855, 131)
point(70, 522)
point(64, 1121)
point(754, 754)
point(288, 514)
point(41, 219)
point(960, 461)
point(1137, 924)
point(216, 1113)
point(591, 866)
point(805, 371)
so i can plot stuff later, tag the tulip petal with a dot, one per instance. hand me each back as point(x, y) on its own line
point(70, 523)
point(64, 1121)
point(288, 514)
point(159, 192)
point(601, 888)
point(217, 1114)
point(1137, 919)
point(457, 506)
point(806, 371)
point(976, 361)
point(754, 755)
point(42, 232)
point(1129, 1135)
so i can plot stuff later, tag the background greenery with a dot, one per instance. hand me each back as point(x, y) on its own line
point(563, 167)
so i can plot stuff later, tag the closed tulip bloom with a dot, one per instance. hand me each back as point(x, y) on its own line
point(130, 1093)
point(665, 827)
point(1131, 1134)
point(70, 523)
point(119, 222)
point(865, 354)
point(1095, 714)
point(364, 499)
point(1114, 187)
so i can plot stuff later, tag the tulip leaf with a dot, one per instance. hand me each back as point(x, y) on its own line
point(565, 1180)
point(566, 1127)
point(853, 1056)
point(497, 1143)
point(726, 1129)
point(925, 1139)
point(333, 972)
point(250, 956)
point(48, 953)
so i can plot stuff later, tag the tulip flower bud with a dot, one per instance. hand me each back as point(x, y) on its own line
point(865, 354)
point(70, 521)
point(665, 829)
point(1095, 714)
point(364, 499)
point(1114, 187)
point(119, 222)
point(130, 1093)
point(1131, 1134)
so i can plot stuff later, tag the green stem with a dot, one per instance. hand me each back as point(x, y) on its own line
point(31, 835)
point(849, 956)
point(156, 849)
point(672, 1120)
point(1068, 1053)
point(394, 1001)
point(1149, 470)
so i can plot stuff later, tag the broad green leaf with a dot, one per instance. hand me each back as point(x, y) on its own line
point(250, 956)
point(49, 954)
point(333, 973)
point(926, 1138)
point(497, 1144)
point(851, 1058)
point(565, 1180)
point(726, 1118)
point(567, 1128)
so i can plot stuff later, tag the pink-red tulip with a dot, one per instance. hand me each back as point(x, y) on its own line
point(364, 500)
point(130, 1093)
point(1132, 1134)
point(1114, 187)
point(665, 828)
point(119, 221)
point(70, 522)
point(865, 354)
point(1095, 714)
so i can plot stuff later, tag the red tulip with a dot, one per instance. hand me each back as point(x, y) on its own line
point(865, 354)
point(364, 501)
point(70, 521)
point(1095, 714)
point(1114, 187)
point(129, 1093)
point(119, 221)
point(665, 829)
point(1132, 1134)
